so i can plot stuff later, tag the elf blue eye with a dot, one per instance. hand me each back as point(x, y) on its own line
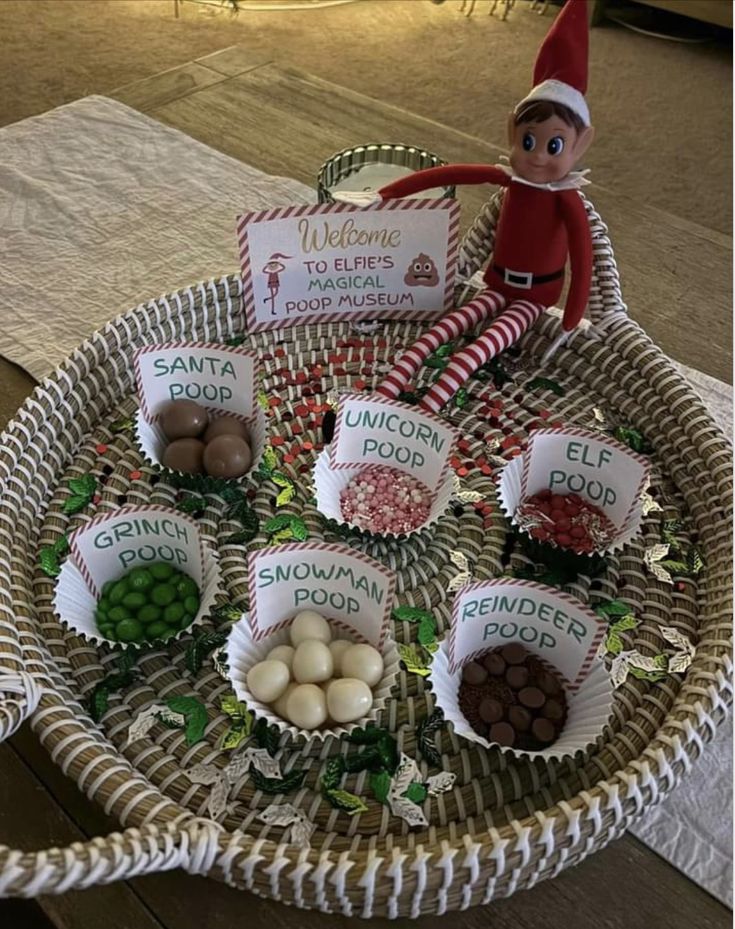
point(529, 142)
point(555, 146)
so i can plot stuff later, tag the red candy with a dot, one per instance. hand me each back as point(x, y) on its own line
point(566, 521)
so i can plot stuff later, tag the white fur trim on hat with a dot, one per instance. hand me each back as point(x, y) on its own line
point(559, 92)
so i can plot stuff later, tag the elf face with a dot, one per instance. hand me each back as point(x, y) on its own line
point(546, 151)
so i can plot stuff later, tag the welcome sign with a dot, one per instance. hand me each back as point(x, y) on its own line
point(395, 258)
point(349, 588)
point(377, 431)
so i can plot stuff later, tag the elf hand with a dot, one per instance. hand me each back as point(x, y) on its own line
point(360, 198)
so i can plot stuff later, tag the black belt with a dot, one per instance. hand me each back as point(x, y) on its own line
point(524, 279)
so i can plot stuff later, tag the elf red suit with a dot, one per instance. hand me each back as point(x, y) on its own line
point(542, 219)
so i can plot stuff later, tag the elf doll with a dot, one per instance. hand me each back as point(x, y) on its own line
point(542, 219)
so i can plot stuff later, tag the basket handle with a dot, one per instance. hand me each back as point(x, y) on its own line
point(25, 695)
point(194, 846)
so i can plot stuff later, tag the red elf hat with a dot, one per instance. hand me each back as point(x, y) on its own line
point(560, 73)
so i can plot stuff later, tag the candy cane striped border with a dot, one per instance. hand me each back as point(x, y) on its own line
point(247, 219)
point(305, 547)
point(599, 624)
point(76, 554)
point(212, 347)
point(604, 440)
point(401, 407)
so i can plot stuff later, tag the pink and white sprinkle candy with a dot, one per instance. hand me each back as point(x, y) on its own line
point(385, 501)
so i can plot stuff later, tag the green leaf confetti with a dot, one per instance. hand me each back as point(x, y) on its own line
point(195, 713)
point(545, 383)
point(275, 785)
point(123, 676)
point(126, 424)
point(613, 608)
point(191, 504)
point(267, 737)
point(49, 561)
point(369, 760)
point(371, 735)
point(75, 503)
point(633, 439)
point(84, 485)
point(461, 398)
point(242, 722)
point(333, 772)
point(411, 614)
point(347, 802)
point(425, 736)
point(380, 783)
point(427, 631)
point(415, 658)
point(226, 613)
point(416, 793)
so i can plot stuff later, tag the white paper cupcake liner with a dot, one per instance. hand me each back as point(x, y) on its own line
point(510, 495)
point(152, 442)
point(329, 484)
point(75, 604)
point(588, 710)
point(243, 652)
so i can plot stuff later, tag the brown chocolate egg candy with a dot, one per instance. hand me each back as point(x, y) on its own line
point(184, 455)
point(227, 456)
point(183, 419)
point(226, 425)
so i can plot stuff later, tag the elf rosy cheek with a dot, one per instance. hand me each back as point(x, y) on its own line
point(421, 272)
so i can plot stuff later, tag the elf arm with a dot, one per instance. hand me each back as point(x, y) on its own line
point(445, 176)
point(580, 257)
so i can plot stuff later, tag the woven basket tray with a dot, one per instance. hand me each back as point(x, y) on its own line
point(505, 824)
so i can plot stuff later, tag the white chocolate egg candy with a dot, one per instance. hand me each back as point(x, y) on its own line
point(279, 705)
point(267, 680)
point(308, 624)
point(348, 699)
point(338, 647)
point(364, 663)
point(312, 662)
point(282, 653)
point(306, 706)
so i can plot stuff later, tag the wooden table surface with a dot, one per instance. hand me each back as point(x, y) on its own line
point(677, 281)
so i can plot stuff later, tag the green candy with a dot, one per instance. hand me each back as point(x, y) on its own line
point(118, 613)
point(186, 587)
point(150, 613)
point(104, 604)
point(118, 591)
point(191, 604)
point(141, 579)
point(134, 600)
point(161, 572)
point(186, 620)
point(158, 630)
point(106, 588)
point(106, 630)
point(173, 613)
point(163, 594)
point(129, 630)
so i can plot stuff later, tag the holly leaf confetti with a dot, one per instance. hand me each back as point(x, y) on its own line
point(545, 383)
point(126, 424)
point(427, 631)
point(411, 614)
point(123, 676)
point(277, 785)
point(195, 714)
point(267, 737)
point(235, 340)
point(369, 760)
point(200, 647)
point(347, 802)
point(75, 503)
point(191, 505)
point(84, 485)
point(416, 793)
point(370, 735)
point(461, 398)
point(226, 613)
point(633, 439)
point(416, 658)
point(333, 771)
point(612, 609)
point(425, 736)
point(380, 785)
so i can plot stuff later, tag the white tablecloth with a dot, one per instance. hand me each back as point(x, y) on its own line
point(102, 208)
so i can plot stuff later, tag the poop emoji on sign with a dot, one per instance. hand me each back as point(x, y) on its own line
point(421, 272)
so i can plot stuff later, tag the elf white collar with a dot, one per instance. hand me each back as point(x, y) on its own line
point(573, 181)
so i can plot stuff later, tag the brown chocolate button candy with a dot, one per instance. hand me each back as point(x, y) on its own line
point(532, 697)
point(514, 653)
point(543, 730)
point(226, 425)
point(520, 718)
point(517, 676)
point(553, 710)
point(183, 419)
point(503, 734)
point(549, 683)
point(474, 673)
point(494, 664)
point(227, 456)
point(491, 711)
point(184, 455)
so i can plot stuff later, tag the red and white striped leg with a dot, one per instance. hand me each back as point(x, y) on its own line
point(501, 334)
point(449, 327)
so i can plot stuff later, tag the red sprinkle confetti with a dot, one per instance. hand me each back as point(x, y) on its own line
point(101, 448)
point(136, 475)
point(289, 459)
point(462, 472)
point(277, 440)
point(275, 401)
point(297, 428)
point(307, 446)
point(301, 410)
point(96, 499)
point(360, 384)
point(544, 414)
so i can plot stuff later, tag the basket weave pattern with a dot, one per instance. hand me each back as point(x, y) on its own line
point(506, 824)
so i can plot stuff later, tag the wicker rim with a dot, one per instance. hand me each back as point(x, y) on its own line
point(410, 877)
